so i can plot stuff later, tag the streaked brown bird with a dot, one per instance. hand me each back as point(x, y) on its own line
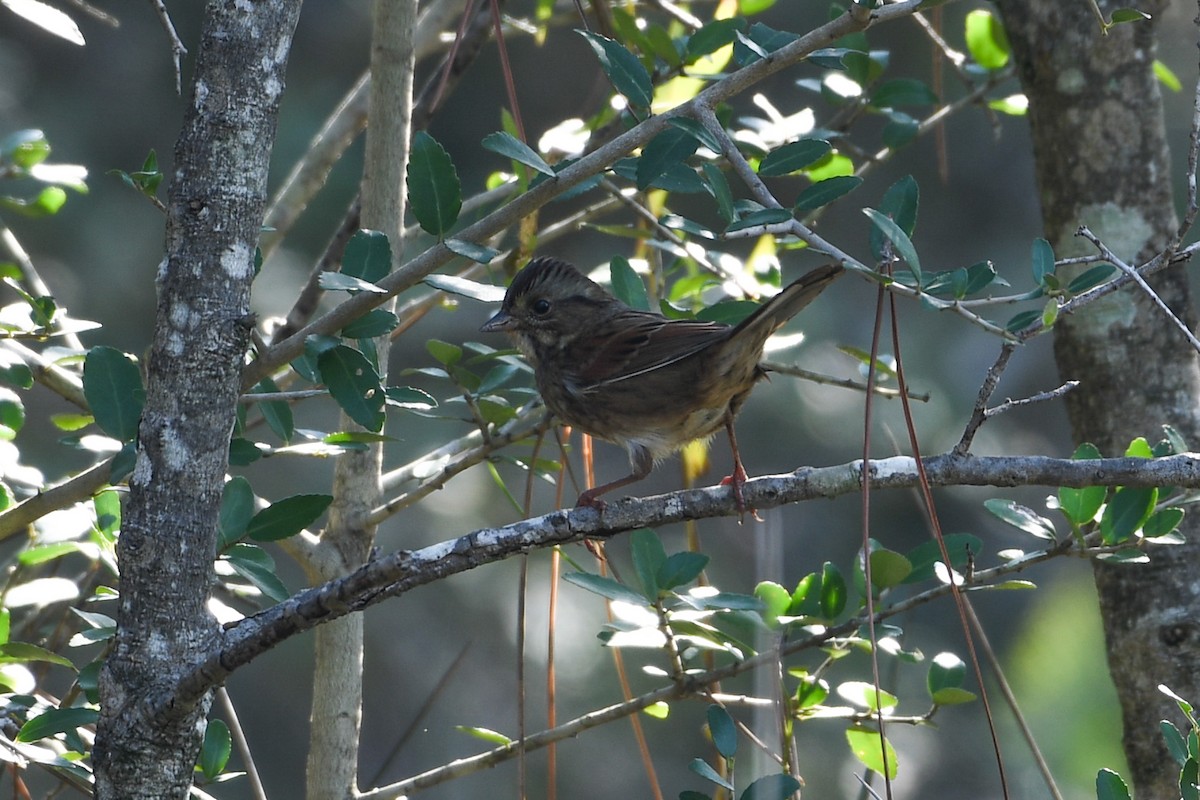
point(636, 378)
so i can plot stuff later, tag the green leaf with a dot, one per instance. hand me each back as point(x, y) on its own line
point(825, 192)
point(41, 554)
point(1162, 523)
point(648, 556)
point(112, 385)
point(277, 413)
point(865, 744)
point(465, 288)
point(623, 69)
point(410, 397)
point(25, 148)
point(1043, 261)
point(903, 92)
point(1129, 15)
point(775, 600)
point(1021, 517)
point(434, 191)
point(287, 517)
point(713, 37)
point(1090, 278)
point(214, 753)
point(665, 151)
point(605, 587)
point(376, 322)
point(946, 671)
point(484, 734)
point(22, 652)
point(1080, 505)
point(903, 245)
point(354, 383)
point(681, 569)
point(627, 285)
point(722, 729)
point(1166, 77)
point(766, 216)
point(445, 353)
point(889, 568)
point(368, 256)
point(56, 720)
point(718, 187)
point(339, 282)
point(1109, 786)
point(510, 146)
point(833, 591)
point(863, 694)
point(925, 555)
point(1128, 510)
point(237, 509)
point(1189, 780)
point(478, 253)
point(1175, 742)
point(794, 156)
point(986, 40)
point(701, 768)
point(256, 565)
point(899, 202)
point(778, 786)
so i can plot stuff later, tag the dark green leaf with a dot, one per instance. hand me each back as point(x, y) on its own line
point(833, 591)
point(1080, 505)
point(697, 131)
point(1175, 742)
point(56, 720)
point(410, 397)
point(772, 787)
point(1109, 786)
point(434, 191)
point(722, 730)
point(701, 768)
point(368, 256)
point(354, 384)
point(681, 569)
point(1128, 510)
point(623, 69)
point(376, 322)
point(1043, 261)
point(287, 517)
point(256, 565)
point(713, 37)
point(605, 587)
point(21, 652)
point(277, 413)
point(112, 385)
point(903, 245)
point(214, 753)
point(903, 92)
point(766, 216)
point(1162, 522)
point(1021, 517)
point(794, 156)
point(1090, 278)
point(900, 130)
point(666, 150)
point(446, 353)
point(237, 509)
point(1189, 780)
point(946, 671)
point(648, 558)
point(627, 285)
point(510, 146)
point(1129, 15)
point(243, 452)
point(825, 192)
point(719, 189)
point(899, 202)
point(1020, 322)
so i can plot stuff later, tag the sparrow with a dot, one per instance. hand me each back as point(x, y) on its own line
point(636, 378)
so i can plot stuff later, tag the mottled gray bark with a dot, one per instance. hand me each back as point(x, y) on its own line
point(1102, 161)
point(193, 379)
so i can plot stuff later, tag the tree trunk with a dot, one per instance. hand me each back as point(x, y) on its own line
point(1102, 161)
point(193, 380)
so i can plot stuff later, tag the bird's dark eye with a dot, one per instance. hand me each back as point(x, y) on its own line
point(541, 306)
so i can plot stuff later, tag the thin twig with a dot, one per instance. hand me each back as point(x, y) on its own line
point(178, 51)
point(845, 383)
point(1040, 397)
point(243, 746)
point(986, 389)
point(1137, 278)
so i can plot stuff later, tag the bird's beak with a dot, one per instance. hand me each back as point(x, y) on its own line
point(503, 321)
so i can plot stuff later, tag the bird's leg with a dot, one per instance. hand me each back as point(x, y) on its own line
point(641, 461)
point(738, 479)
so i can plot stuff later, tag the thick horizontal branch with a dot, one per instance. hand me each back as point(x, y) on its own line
point(396, 573)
